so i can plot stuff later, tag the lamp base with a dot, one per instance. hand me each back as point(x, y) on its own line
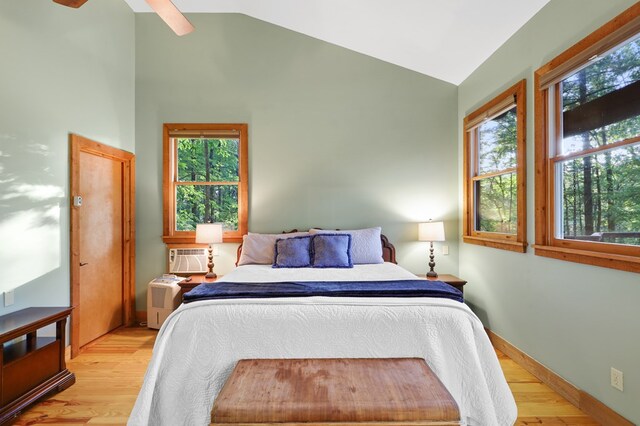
point(210, 274)
point(432, 263)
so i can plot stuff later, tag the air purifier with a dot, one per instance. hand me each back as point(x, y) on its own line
point(163, 297)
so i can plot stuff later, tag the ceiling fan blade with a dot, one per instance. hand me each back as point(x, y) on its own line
point(171, 16)
point(71, 3)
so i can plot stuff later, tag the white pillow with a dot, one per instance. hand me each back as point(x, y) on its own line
point(366, 246)
point(260, 248)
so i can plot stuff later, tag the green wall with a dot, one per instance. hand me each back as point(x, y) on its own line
point(63, 70)
point(576, 319)
point(336, 138)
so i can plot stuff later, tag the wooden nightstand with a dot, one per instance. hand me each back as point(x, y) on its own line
point(196, 280)
point(452, 280)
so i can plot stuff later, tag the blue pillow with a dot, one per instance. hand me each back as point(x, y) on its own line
point(292, 252)
point(331, 251)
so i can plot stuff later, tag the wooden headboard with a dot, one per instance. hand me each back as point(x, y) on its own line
point(388, 250)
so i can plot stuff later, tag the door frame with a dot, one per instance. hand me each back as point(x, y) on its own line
point(77, 145)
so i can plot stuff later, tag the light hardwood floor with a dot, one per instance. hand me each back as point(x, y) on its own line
point(110, 372)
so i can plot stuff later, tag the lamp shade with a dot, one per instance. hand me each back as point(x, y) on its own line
point(208, 233)
point(431, 231)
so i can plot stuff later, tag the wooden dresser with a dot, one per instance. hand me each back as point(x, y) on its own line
point(31, 366)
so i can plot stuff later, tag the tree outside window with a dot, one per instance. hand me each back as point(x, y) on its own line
point(599, 159)
point(495, 182)
point(207, 182)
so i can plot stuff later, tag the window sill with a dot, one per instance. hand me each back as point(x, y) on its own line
point(606, 260)
point(517, 246)
point(172, 239)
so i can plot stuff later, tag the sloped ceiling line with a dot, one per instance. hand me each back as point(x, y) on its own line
point(445, 39)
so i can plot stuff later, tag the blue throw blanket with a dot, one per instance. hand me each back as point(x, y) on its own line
point(404, 288)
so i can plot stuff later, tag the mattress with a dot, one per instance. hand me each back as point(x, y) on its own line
point(199, 344)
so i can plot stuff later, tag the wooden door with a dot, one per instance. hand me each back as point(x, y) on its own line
point(101, 257)
point(101, 242)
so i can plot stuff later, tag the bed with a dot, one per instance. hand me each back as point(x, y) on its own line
point(199, 344)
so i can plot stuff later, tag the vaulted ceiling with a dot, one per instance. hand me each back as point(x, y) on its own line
point(445, 39)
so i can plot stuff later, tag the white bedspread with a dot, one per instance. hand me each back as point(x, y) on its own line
point(200, 342)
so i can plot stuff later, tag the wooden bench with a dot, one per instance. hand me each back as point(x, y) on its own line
point(387, 391)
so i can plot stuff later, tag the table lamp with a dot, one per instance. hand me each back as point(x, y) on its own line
point(209, 233)
point(431, 231)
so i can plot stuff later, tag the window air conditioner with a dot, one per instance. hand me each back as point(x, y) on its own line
point(163, 297)
point(188, 261)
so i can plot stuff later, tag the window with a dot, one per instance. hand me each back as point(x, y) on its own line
point(588, 149)
point(205, 180)
point(494, 172)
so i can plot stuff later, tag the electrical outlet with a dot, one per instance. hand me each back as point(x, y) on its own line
point(216, 250)
point(617, 379)
point(8, 298)
point(445, 250)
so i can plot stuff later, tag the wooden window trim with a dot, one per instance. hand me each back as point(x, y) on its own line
point(546, 78)
point(170, 235)
point(512, 242)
